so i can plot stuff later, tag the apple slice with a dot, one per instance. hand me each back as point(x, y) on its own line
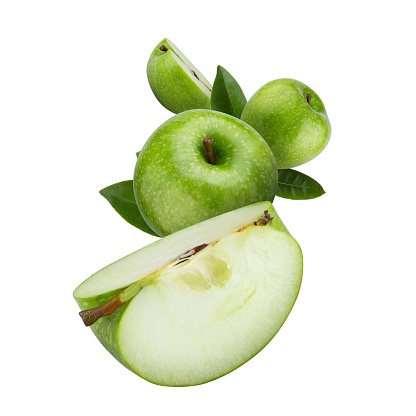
point(199, 303)
point(175, 81)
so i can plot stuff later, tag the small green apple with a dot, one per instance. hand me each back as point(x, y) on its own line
point(175, 183)
point(176, 83)
point(199, 303)
point(291, 118)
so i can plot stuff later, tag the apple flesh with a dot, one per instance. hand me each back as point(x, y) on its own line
point(175, 81)
point(175, 186)
point(292, 119)
point(198, 319)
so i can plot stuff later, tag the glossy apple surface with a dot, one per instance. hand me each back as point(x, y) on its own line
point(174, 184)
point(293, 123)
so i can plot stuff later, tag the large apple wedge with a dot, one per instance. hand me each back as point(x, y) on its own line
point(198, 303)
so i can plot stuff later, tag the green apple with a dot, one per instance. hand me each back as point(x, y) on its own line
point(176, 186)
point(291, 118)
point(176, 83)
point(199, 303)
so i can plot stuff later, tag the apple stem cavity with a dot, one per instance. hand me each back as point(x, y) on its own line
point(308, 97)
point(264, 220)
point(163, 48)
point(208, 147)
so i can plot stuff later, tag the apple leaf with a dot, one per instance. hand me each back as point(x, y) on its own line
point(121, 197)
point(296, 185)
point(227, 96)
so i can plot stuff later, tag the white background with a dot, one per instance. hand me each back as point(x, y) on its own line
point(75, 106)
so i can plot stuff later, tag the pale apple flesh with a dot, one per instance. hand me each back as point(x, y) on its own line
point(188, 67)
point(198, 319)
point(175, 81)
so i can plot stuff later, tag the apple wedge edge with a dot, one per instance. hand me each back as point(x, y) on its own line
point(199, 314)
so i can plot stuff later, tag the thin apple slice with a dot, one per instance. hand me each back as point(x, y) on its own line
point(188, 67)
point(200, 316)
point(175, 81)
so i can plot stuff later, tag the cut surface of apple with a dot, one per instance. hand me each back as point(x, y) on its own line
point(189, 68)
point(198, 316)
point(175, 81)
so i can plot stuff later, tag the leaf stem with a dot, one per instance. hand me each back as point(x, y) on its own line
point(208, 147)
point(308, 97)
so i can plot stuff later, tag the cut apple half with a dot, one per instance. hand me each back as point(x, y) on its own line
point(199, 303)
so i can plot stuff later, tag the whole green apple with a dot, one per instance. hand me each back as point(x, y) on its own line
point(292, 119)
point(197, 304)
point(176, 83)
point(181, 179)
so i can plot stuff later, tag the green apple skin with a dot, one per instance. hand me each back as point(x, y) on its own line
point(295, 130)
point(173, 84)
point(107, 328)
point(174, 184)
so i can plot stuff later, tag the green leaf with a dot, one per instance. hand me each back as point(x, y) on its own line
point(296, 185)
point(227, 96)
point(121, 197)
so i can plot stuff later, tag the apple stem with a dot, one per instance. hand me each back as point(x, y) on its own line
point(90, 316)
point(163, 48)
point(208, 147)
point(308, 97)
